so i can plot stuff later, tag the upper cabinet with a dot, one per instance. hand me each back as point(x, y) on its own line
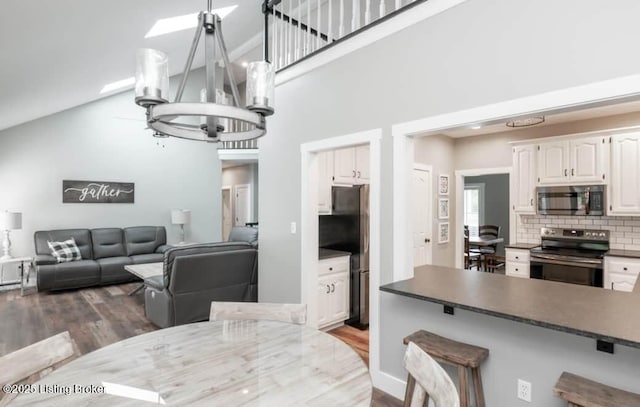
point(624, 188)
point(524, 183)
point(582, 160)
point(325, 180)
point(351, 166)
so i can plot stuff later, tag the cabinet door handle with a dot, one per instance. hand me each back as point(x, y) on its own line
point(572, 172)
point(565, 172)
point(333, 287)
point(517, 257)
point(531, 201)
point(612, 285)
point(330, 268)
point(358, 174)
point(427, 240)
point(354, 173)
point(624, 268)
point(328, 289)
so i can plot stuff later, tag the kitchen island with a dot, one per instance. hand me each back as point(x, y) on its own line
point(534, 329)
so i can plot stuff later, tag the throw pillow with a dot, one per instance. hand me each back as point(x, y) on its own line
point(65, 251)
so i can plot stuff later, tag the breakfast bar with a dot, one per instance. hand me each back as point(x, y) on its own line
point(534, 329)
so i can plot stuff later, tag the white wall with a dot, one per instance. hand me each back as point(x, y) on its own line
point(438, 151)
point(474, 54)
point(106, 141)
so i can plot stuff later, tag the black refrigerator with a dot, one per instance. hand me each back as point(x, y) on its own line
point(347, 229)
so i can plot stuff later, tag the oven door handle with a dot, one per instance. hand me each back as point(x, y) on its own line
point(594, 264)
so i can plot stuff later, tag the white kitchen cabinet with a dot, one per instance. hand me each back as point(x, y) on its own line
point(333, 291)
point(583, 160)
point(517, 263)
point(325, 181)
point(524, 183)
point(620, 273)
point(624, 188)
point(351, 165)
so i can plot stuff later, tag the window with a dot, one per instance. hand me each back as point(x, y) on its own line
point(473, 207)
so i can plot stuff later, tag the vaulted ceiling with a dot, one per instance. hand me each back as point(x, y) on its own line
point(59, 54)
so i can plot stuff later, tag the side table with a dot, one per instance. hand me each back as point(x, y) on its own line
point(16, 260)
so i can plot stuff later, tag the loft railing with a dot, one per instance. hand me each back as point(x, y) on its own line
point(239, 145)
point(299, 28)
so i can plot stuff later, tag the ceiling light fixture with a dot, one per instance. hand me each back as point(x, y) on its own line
point(118, 84)
point(185, 22)
point(220, 122)
point(526, 121)
point(245, 64)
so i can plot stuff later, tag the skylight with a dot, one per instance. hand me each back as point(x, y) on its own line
point(179, 23)
point(118, 84)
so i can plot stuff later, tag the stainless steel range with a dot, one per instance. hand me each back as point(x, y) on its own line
point(573, 256)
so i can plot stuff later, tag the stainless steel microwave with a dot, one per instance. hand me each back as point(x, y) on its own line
point(581, 200)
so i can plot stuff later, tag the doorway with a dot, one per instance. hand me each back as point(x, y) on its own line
point(242, 207)
point(422, 214)
point(227, 213)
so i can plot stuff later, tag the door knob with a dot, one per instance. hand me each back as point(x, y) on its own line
point(427, 240)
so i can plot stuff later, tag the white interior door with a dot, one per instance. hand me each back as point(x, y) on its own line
point(227, 215)
point(242, 204)
point(422, 230)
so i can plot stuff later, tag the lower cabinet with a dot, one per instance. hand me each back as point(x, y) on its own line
point(620, 273)
point(333, 293)
point(517, 263)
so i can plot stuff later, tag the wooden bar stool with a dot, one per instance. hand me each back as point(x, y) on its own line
point(461, 355)
point(581, 392)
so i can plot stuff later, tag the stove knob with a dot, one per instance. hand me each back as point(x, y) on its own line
point(602, 234)
point(588, 234)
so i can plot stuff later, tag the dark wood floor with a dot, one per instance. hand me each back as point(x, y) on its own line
point(96, 317)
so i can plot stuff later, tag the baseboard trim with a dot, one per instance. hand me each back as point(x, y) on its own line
point(389, 384)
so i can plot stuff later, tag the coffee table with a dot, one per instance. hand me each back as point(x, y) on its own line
point(144, 271)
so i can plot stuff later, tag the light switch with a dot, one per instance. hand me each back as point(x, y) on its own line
point(294, 228)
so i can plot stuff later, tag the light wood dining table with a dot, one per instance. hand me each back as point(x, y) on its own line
point(222, 363)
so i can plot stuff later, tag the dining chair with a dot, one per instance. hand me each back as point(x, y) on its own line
point(470, 256)
point(292, 313)
point(33, 362)
point(491, 232)
point(431, 381)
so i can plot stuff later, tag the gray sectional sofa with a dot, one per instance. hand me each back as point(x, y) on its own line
point(104, 252)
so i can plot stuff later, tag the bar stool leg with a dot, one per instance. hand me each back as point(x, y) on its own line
point(477, 386)
point(408, 393)
point(464, 386)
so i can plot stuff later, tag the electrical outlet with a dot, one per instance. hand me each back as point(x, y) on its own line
point(524, 390)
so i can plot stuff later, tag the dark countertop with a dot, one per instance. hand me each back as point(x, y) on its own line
point(329, 253)
point(581, 310)
point(523, 246)
point(634, 254)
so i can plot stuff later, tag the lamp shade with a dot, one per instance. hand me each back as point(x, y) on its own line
point(180, 216)
point(260, 87)
point(152, 77)
point(10, 221)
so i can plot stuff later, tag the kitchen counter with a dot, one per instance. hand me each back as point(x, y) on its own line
point(581, 310)
point(634, 254)
point(523, 246)
point(329, 253)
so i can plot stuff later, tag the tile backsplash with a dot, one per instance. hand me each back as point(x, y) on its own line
point(624, 231)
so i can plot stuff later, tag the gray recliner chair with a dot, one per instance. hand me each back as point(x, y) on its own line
point(194, 276)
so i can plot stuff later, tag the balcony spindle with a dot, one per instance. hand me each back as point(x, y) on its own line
point(382, 9)
point(398, 4)
point(355, 15)
point(367, 12)
point(330, 22)
point(308, 31)
point(318, 21)
point(341, 22)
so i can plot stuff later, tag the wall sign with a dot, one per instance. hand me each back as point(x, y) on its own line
point(97, 192)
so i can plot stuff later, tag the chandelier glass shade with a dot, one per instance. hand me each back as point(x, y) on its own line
point(220, 118)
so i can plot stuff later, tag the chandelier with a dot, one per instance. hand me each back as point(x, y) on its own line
point(219, 119)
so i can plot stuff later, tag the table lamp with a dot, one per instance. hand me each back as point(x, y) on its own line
point(181, 217)
point(9, 221)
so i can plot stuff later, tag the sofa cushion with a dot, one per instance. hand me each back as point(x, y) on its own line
point(81, 236)
point(147, 258)
point(74, 274)
point(112, 270)
point(244, 234)
point(65, 251)
point(144, 239)
point(107, 242)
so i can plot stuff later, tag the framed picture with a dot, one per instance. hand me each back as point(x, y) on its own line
point(443, 232)
point(443, 208)
point(443, 184)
